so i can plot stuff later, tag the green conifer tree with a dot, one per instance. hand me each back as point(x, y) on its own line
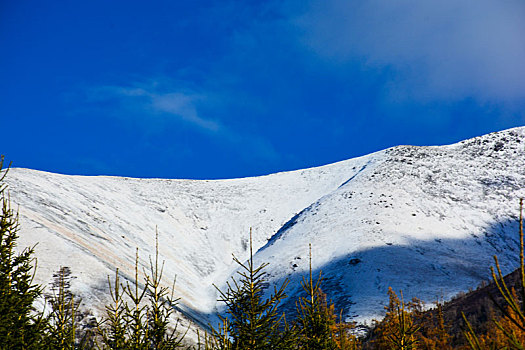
point(253, 322)
point(135, 312)
point(160, 309)
point(317, 325)
point(140, 318)
point(315, 321)
point(113, 329)
point(20, 326)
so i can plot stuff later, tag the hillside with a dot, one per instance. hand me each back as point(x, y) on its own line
point(422, 219)
point(426, 220)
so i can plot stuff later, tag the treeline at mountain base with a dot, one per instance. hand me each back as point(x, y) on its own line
point(140, 315)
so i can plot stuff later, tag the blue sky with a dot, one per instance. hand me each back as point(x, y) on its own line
point(221, 89)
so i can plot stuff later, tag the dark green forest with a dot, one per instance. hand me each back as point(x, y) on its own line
point(141, 313)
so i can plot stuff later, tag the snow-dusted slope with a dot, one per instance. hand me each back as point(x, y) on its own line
point(424, 219)
point(94, 224)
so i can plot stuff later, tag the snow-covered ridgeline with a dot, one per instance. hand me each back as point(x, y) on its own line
point(94, 224)
point(422, 219)
point(426, 220)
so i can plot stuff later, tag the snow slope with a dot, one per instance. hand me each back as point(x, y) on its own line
point(94, 224)
point(426, 220)
point(422, 219)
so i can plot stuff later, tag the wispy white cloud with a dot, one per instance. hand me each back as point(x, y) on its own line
point(182, 105)
point(154, 103)
point(447, 49)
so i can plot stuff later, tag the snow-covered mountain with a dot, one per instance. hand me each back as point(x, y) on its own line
point(422, 219)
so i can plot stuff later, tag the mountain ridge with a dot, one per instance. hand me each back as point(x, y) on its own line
point(98, 222)
point(446, 199)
